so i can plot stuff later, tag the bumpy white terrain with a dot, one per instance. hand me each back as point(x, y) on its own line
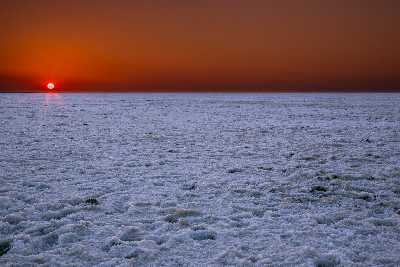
point(200, 179)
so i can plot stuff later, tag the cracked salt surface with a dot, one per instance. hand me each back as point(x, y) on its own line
point(200, 179)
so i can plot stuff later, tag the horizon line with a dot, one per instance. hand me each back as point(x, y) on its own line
point(203, 91)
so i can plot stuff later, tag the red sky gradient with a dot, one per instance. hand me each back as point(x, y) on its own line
point(200, 45)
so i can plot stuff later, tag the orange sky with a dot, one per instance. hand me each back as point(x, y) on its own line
point(208, 45)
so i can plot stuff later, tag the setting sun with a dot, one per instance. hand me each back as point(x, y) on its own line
point(50, 86)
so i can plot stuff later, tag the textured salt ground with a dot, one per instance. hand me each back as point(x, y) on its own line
point(200, 179)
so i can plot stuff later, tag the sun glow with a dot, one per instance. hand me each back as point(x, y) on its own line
point(50, 86)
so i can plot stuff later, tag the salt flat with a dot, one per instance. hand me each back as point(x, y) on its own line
point(200, 179)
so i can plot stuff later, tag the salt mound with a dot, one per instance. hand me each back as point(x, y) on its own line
point(132, 234)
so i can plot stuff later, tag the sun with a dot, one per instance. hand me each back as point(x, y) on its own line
point(50, 86)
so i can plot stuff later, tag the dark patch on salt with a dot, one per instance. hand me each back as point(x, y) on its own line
point(189, 186)
point(234, 170)
point(327, 261)
point(92, 201)
point(265, 168)
point(318, 188)
point(171, 218)
point(5, 246)
point(203, 235)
